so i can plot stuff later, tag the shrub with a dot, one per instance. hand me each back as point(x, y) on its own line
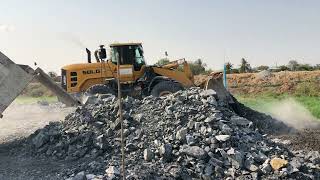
point(307, 89)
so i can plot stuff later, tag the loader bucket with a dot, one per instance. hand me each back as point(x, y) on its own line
point(215, 82)
point(13, 79)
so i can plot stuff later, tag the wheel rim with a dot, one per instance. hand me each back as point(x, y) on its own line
point(164, 93)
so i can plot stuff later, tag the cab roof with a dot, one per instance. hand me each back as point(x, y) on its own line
point(124, 44)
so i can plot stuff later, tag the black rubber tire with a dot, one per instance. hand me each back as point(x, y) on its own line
point(165, 86)
point(100, 89)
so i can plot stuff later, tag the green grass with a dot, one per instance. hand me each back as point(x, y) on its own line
point(264, 103)
point(311, 103)
point(30, 100)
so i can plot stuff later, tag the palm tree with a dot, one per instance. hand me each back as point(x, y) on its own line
point(245, 66)
point(229, 67)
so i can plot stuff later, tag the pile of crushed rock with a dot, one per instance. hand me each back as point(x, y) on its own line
point(185, 135)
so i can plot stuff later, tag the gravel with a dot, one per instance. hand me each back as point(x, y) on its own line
point(185, 135)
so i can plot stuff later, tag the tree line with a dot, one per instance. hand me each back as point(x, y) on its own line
point(199, 67)
point(292, 65)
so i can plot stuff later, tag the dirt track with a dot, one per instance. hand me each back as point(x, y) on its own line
point(308, 139)
point(20, 121)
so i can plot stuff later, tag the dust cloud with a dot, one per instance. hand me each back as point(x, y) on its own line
point(21, 120)
point(293, 114)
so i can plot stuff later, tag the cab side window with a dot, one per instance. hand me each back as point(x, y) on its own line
point(139, 60)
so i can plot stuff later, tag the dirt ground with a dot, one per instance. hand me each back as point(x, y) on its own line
point(255, 83)
point(16, 166)
point(308, 139)
point(280, 82)
point(20, 121)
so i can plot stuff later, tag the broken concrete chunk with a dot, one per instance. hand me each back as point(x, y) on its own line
point(212, 100)
point(131, 147)
point(112, 171)
point(40, 139)
point(90, 176)
point(90, 100)
point(249, 165)
point(209, 119)
point(139, 117)
point(314, 157)
point(79, 176)
point(222, 138)
point(191, 124)
point(294, 165)
point(101, 142)
point(240, 121)
point(166, 151)
point(190, 139)
point(116, 124)
point(169, 109)
point(235, 159)
point(197, 126)
point(266, 168)
point(209, 92)
point(195, 151)
point(278, 163)
point(181, 134)
point(148, 155)
point(106, 96)
point(231, 151)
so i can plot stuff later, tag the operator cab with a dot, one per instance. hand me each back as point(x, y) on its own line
point(128, 54)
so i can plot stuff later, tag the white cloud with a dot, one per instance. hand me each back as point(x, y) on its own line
point(6, 28)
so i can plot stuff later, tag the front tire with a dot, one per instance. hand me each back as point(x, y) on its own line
point(164, 88)
point(100, 89)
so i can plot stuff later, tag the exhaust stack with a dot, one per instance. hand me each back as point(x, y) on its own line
point(89, 55)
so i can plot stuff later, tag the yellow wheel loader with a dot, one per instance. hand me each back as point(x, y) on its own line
point(136, 78)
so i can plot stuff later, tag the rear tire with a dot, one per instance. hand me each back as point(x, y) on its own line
point(165, 87)
point(100, 89)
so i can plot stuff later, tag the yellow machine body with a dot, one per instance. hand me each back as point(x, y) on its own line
point(79, 77)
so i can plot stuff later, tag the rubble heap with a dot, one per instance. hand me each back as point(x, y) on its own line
point(181, 136)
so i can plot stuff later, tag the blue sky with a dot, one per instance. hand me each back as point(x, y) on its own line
point(53, 33)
